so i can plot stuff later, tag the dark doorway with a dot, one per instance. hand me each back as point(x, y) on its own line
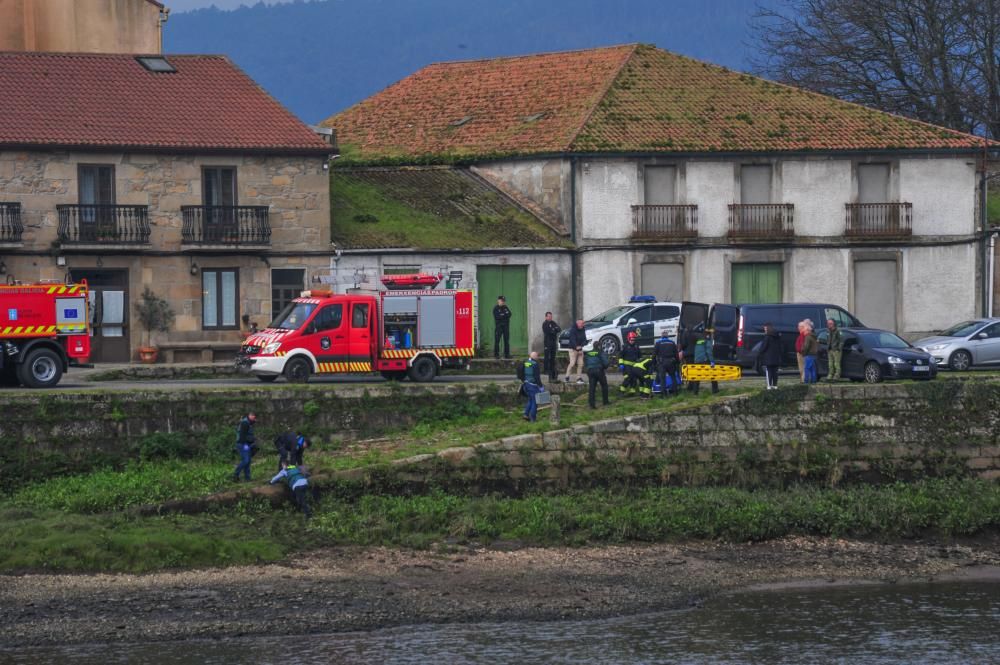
point(109, 307)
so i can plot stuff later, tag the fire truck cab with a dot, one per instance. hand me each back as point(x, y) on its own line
point(43, 328)
point(399, 334)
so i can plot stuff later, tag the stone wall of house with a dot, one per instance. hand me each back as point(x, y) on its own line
point(95, 26)
point(296, 189)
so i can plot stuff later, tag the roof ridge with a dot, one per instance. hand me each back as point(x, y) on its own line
point(600, 97)
point(526, 56)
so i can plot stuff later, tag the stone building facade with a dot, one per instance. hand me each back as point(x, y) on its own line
point(687, 181)
point(211, 226)
point(74, 26)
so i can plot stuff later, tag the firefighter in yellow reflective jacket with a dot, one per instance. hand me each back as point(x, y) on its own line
point(631, 354)
point(646, 371)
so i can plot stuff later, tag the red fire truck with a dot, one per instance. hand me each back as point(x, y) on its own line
point(42, 328)
point(401, 333)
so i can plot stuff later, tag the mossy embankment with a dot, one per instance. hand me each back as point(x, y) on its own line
point(79, 518)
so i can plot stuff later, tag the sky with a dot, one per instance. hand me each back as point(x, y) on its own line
point(188, 5)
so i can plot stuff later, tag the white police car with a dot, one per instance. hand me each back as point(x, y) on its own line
point(643, 314)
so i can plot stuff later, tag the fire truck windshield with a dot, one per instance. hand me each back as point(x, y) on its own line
point(293, 316)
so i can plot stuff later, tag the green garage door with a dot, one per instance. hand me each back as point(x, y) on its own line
point(756, 283)
point(511, 282)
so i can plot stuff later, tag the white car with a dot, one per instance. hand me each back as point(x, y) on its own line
point(648, 317)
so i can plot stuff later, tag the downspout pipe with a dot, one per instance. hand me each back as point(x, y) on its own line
point(986, 260)
point(574, 257)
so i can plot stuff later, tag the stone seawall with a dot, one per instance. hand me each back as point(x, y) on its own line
point(42, 433)
point(824, 434)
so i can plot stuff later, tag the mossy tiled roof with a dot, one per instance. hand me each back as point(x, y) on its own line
point(631, 98)
point(428, 208)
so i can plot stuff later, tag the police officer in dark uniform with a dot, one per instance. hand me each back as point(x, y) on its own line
point(667, 362)
point(551, 330)
point(501, 327)
point(596, 362)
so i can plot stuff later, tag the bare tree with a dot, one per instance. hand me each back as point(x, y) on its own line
point(934, 60)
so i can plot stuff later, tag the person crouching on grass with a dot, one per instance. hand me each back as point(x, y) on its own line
point(297, 479)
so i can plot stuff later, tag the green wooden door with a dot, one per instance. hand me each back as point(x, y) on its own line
point(756, 283)
point(512, 283)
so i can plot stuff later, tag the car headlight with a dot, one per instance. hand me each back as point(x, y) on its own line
point(937, 347)
point(896, 360)
point(271, 348)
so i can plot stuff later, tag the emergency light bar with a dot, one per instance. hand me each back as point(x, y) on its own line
point(642, 299)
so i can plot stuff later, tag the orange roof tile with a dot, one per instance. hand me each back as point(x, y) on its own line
point(631, 98)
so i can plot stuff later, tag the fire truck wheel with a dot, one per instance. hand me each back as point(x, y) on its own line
point(267, 378)
point(298, 370)
point(41, 369)
point(422, 370)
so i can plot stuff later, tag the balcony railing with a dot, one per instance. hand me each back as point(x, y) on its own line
point(879, 220)
point(761, 220)
point(667, 222)
point(226, 225)
point(11, 226)
point(85, 224)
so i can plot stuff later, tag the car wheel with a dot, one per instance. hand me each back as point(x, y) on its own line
point(873, 372)
point(422, 370)
point(610, 345)
point(298, 370)
point(960, 361)
point(41, 369)
point(267, 378)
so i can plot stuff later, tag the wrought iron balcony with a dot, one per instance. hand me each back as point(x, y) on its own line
point(86, 224)
point(11, 226)
point(226, 225)
point(879, 220)
point(761, 221)
point(667, 222)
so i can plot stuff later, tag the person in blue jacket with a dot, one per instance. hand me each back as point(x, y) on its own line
point(245, 441)
point(596, 363)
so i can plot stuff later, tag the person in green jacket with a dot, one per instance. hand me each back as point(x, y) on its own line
point(297, 479)
point(596, 362)
point(834, 349)
point(704, 354)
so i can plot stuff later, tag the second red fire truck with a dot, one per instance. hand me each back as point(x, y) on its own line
point(398, 333)
point(43, 327)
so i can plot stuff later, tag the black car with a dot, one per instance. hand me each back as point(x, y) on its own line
point(738, 328)
point(873, 355)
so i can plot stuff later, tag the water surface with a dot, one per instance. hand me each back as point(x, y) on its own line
point(914, 623)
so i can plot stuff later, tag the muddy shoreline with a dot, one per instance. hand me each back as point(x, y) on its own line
point(353, 588)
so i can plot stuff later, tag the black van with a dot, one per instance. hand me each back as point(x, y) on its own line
point(739, 327)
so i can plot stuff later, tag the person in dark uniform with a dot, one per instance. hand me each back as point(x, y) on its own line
point(771, 355)
point(501, 327)
point(532, 385)
point(667, 363)
point(551, 330)
point(630, 356)
point(596, 363)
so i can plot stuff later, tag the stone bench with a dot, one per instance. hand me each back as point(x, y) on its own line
point(205, 352)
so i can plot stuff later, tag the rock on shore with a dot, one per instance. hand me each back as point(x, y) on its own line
point(365, 588)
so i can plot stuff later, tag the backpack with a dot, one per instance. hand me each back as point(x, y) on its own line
point(520, 371)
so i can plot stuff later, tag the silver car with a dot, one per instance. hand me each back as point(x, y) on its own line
point(975, 342)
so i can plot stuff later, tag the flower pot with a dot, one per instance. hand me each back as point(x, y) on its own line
point(148, 354)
